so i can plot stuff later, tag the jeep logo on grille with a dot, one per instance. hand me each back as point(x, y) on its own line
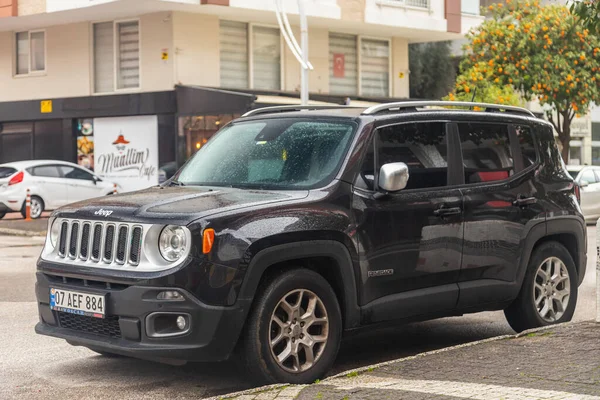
point(103, 213)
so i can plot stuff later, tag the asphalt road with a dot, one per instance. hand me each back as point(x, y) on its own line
point(37, 367)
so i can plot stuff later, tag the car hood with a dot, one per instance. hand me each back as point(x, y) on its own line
point(176, 205)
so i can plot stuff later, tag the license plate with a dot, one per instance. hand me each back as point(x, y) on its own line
point(91, 305)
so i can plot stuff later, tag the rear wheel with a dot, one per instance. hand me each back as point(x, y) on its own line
point(37, 208)
point(549, 292)
point(294, 330)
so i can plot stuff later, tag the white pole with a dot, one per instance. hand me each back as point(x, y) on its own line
point(304, 43)
point(598, 271)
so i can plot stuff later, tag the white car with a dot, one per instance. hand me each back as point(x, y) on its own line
point(52, 184)
point(588, 179)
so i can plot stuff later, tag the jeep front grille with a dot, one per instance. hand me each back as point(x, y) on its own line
point(100, 242)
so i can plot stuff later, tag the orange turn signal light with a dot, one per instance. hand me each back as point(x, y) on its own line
point(208, 239)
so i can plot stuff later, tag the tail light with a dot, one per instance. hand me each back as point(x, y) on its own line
point(18, 178)
point(577, 193)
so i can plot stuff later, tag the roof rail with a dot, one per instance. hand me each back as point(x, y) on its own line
point(414, 104)
point(269, 110)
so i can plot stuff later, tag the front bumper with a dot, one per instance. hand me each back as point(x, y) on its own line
point(214, 330)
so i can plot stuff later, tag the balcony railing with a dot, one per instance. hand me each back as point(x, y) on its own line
point(408, 3)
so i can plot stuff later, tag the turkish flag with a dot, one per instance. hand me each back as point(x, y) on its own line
point(339, 65)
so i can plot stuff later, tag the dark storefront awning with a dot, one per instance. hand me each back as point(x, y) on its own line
point(194, 100)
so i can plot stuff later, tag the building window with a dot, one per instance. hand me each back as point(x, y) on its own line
point(470, 7)
point(234, 55)
point(343, 64)
point(116, 56)
point(375, 68)
point(595, 155)
point(30, 52)
point(355, 69)
point(246, 63)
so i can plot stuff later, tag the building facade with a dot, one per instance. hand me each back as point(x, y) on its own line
point(193, 65)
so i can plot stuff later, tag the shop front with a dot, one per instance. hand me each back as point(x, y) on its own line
point(135, 140)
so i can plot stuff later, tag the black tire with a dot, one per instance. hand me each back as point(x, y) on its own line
point(2, 214)
point(522, 314)
point(254, 347)
point(42, 205)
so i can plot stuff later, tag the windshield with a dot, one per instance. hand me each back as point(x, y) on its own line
point(5, 172)
point(573, 173)
point(286, 153)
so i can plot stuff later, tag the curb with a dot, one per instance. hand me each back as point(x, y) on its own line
point(372, 367)
point(18, 232)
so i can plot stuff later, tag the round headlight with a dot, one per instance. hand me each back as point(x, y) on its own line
point(172, 243)
point(54, 233)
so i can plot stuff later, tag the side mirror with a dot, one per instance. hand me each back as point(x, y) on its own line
point(584, 183)
point(393, 177)
point(96, 180)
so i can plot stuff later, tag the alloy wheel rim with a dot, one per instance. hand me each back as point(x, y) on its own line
point(36, 208)
point(298, 330)
point(552, 289)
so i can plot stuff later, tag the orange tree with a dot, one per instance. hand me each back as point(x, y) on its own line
point(543, 52)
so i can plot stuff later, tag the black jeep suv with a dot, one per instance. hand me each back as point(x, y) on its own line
point(295, 225)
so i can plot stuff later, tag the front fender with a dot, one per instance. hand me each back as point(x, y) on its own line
point(305, 249)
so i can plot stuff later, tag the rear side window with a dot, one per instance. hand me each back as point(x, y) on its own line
point(5, 172)
point(76, 173)
point(421, 146)
point(46, 171)
point(527, 145)
point(486, 152)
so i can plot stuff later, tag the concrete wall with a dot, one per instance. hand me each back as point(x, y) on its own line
point(29, 7)
point(400, 72)
point(318, 49)
point(69, 61)
point(196, 44)
point(67, 67)
point(157, 35)
point(353, 10)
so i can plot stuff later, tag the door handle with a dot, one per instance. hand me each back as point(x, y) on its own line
point(522, 201)
point(444, 212)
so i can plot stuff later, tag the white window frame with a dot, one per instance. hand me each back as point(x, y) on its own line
point(115, 61)
point(16, 55)
point(359, 39)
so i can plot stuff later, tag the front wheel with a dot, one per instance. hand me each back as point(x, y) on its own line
point(294, 330)
point(549, 292)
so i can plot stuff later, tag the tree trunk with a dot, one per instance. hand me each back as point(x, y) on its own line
point(565, 135)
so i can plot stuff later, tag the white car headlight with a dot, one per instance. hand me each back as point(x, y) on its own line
point(172, 243)
point(54, 233)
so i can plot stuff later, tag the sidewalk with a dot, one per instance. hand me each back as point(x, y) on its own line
point(562, 362)
point(13, 224)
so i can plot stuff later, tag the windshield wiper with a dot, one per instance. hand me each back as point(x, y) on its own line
point(176, 183)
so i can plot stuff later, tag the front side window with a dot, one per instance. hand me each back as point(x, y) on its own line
point(30, 52)
point(282, 154)
point(116, 56)
point(421, 146)
point(486, 152)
